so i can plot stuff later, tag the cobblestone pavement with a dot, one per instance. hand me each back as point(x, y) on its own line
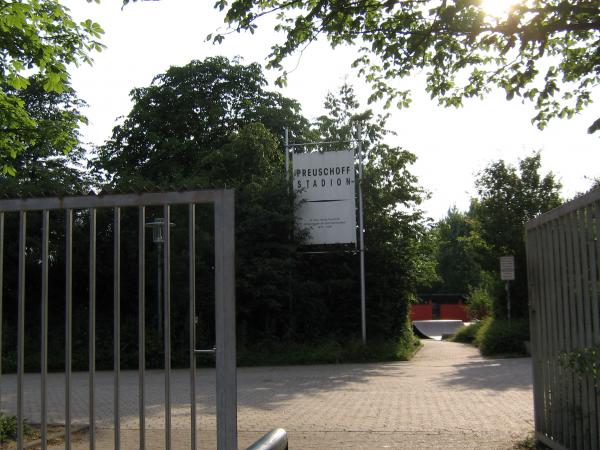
point(447, 397)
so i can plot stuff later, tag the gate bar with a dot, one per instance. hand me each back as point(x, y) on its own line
point(225, 321)
point(68, 324)
point(44, 349)
point(1, 289)
point(117, 325)
point(21, 326)
point(92, 329)
point(192, 265)
point(167, 322)
point(142, 322)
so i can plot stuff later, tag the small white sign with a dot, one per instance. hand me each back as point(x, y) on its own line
point(326, 184)
point(507, 268)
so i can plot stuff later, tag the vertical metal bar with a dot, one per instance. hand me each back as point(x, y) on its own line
point(68, 323)
point(587, 324)
point(225, 321)
point(542, 314)
point(117, 325)
point(92, 330)
point(533, 267)
point(44, 318)
point(286, 149)
point(560, 329)
point(596, 299)
point(1, 296)
point(362, 237)
point(142, 322)
point(192, 288)
point(21, 326)
point(574, 270)
point(581, 266)
point(167, 322)
point(593, 312)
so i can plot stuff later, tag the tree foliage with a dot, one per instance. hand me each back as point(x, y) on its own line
point(508, 197)
point(546, 51)
point(38, 41)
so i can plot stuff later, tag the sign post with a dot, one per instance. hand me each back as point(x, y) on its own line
point(507, 273)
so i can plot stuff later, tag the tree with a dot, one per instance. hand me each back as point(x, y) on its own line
point(459, 253)
point(507, 199)
point(213, 124)
point(178, 122)
point(393, 224)
point(546, 51)
point(38, 39)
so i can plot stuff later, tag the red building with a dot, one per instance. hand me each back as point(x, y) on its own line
point(440, 307)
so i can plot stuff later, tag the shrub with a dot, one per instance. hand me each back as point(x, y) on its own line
point(479, 303)
point(330, 351)
point(501, 337)
point(8, 428)
point(467, 333)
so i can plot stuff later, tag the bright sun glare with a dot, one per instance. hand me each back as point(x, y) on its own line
point(498, 8)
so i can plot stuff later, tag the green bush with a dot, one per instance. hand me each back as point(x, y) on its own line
point(479, 303)
point(8, 428)
point(467, 333)
point(329, 351)
point(501, 337)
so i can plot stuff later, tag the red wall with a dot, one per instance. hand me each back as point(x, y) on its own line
point(421, 312)
point(454, 312)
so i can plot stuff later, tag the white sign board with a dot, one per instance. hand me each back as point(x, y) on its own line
point(507, 268)
point(325, 184)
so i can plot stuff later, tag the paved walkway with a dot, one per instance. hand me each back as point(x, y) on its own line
point(446, 397)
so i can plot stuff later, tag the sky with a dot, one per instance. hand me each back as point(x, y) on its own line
point(452, 145)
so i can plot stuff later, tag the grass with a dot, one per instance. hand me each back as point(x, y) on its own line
point(530, 443)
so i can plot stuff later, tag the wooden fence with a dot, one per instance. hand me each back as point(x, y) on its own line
point(563, 263)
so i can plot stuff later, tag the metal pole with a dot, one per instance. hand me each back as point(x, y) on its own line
point(21, 326)
point(192, 281)
point(142, 322)
point(68, 324)
point(287, 153)
point(159, 304)
point(92, 329)
point(117, 325)
point(44, 349)
point(1, 295)
point(167, 323)
point(508, 300)
point(225, 321)
point(362, 236)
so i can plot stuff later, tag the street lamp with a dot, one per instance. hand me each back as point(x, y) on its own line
point(158, 238)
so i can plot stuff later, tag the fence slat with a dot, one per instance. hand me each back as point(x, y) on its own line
point(589, 296)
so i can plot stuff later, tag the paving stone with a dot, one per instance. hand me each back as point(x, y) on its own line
point(447, 397)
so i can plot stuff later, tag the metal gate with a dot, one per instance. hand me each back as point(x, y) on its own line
point(226, 390)
point(563, 263)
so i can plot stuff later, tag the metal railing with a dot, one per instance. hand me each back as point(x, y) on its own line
point(563, 263)
point(274, 440)
point(226, 395)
